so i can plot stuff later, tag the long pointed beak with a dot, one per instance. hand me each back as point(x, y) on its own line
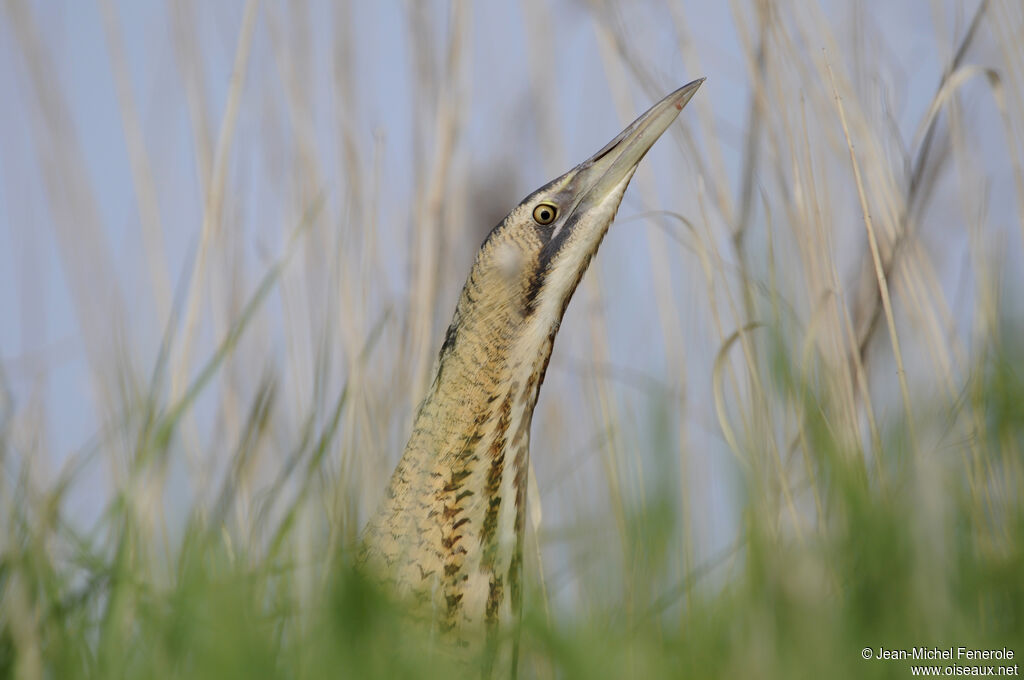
point(603, 171)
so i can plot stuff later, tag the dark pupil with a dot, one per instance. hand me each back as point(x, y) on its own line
point(545, 214)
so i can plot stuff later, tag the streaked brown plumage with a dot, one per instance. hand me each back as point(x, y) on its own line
point(450, 530)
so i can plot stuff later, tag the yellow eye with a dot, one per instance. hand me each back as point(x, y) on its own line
point(545, 213)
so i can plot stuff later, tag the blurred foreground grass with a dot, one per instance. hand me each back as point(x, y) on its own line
point(792, 447)
point(924, 558)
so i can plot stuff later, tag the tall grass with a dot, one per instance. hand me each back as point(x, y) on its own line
point(783, 422)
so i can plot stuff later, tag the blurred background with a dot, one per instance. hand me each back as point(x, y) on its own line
point(232, 235)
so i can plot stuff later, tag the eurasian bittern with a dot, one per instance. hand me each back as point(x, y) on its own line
point(450, 530)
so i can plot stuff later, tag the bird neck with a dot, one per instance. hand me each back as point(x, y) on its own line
point(485, 383)
point(450, 530)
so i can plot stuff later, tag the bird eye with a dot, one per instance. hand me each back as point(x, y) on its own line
point(545, 213)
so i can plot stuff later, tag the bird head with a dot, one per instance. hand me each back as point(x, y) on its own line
point(530, 264)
